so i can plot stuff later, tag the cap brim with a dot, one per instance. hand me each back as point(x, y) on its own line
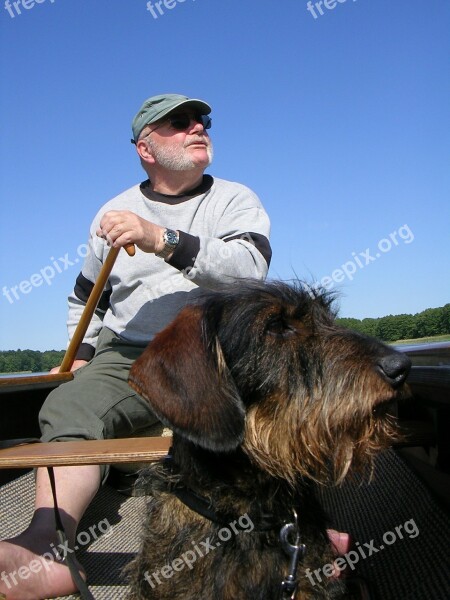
point(199, 105)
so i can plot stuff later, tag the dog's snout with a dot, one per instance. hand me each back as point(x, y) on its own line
point(395, 368)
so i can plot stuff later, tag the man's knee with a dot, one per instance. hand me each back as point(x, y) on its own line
point(67, 414)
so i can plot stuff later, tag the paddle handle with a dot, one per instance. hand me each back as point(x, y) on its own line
point(90, 307)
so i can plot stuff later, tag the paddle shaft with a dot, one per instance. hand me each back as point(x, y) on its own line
point(90, 307)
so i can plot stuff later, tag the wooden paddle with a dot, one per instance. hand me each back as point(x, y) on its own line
point(90, 307)
point(30, 382)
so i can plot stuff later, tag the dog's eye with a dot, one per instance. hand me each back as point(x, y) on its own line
point(278, 327)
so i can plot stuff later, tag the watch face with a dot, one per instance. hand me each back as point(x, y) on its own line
point(171, 237)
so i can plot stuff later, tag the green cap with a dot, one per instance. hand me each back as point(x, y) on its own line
point(157, 107)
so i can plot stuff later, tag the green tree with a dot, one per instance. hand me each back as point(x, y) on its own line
point(387, 329)
point(444, 320)
point(428, 322)
point(369, 326)
point(51, 358)
point(349, 323)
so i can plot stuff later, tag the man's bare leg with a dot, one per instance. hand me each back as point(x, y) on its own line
point(44, 577)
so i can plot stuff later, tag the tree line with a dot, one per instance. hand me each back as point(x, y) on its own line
point(430, 322)
point(34, 361)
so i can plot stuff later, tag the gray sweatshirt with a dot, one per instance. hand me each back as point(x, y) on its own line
point(224, 236)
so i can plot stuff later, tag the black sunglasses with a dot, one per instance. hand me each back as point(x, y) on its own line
point(182, 121)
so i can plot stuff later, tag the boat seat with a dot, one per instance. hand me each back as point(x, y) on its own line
point(85, 452)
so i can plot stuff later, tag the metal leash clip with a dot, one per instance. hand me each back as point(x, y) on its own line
point(296, 551)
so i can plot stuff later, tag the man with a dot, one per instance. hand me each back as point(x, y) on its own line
point(192, 232)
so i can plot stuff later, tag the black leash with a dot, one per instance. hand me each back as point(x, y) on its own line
point(60, 531)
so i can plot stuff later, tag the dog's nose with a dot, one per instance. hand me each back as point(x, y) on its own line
point(395, 367)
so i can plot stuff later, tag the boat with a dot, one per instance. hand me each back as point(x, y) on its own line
point(411, 484)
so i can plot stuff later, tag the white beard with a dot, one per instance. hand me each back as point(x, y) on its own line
point(176, 158)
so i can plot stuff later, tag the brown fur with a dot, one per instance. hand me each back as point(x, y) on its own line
point(265, 395)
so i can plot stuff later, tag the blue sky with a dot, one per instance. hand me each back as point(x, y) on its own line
point(339, 121)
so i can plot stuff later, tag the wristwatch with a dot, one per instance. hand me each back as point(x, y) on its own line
point(171, 240)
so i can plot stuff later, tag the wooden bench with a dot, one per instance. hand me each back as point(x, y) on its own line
point(85, 452)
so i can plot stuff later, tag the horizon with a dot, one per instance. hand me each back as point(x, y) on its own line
point(445, 335)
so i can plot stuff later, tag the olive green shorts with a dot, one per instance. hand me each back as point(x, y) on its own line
point(98, 403)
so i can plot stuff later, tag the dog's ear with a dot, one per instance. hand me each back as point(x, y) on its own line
point(184, 378)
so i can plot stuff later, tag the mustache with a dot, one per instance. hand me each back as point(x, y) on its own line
point(202, 140)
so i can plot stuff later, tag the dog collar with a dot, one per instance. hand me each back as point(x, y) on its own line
point(289, 532)
point(203, 507)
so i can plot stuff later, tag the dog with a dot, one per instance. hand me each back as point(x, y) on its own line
point(266, 397)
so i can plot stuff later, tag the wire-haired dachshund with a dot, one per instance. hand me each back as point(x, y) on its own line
point(267, 397)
